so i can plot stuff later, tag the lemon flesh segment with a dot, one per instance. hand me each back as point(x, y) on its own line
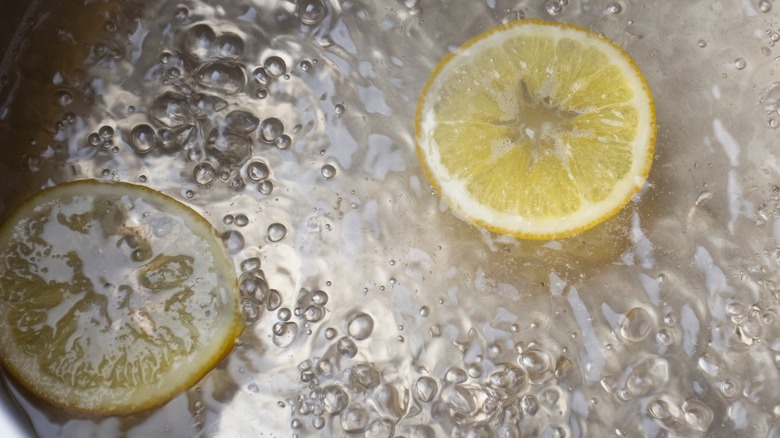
point(536, 129)
point(113, 297)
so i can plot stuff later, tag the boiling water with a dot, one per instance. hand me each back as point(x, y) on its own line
point(372, 309)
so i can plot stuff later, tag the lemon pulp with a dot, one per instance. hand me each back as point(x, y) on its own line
point(113, 297)
point(536, 129)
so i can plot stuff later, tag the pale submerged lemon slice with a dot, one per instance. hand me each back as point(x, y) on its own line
point(113, 297)
point(537, 130)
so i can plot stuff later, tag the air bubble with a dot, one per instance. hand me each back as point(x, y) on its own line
point(276, 232)
point(241, 122)
point(94, 139)
point(614, 8)
point(635, 324)
point(171, 109)
point(346, 347)
point(242, 220)
point(204, 174)
point(230, 45)
point(425, 389)
point(275, 66)
point(311, 12)
point(284, 314)
point(284, 334)
point(270, 130)
point(257, 171)
point(265, 187)
point(305, 66)
point(360, 326)
point(537, 364)
point(455, 375)
point(330, 333)
point(328, 171)
point(284, 141)
point(234, 241)
point(740, 63)
point(702, 44)
point(313, 314)
point(228, 219)
point(764, 6)
point(425, 311)
point(274, 300)
point(199, 40)
point(553, 7)
point(698, 415)
point(319, 298)
point(221, 76)
point(143, 139)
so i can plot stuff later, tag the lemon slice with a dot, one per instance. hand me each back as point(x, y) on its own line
point(113, 297)
point(537, 130)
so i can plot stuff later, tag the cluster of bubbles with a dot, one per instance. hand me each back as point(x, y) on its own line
point(512, 397)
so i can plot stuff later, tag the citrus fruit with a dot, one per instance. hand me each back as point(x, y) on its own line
point(535, 129)
point(113, 297)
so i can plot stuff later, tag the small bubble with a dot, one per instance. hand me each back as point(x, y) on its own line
point(250, 264)
point(143, 138)
point(330, 333)
point(261, 93)
point(635, 324)
point(702, 44)
point(265, 187)
point(614, 8)
point(199, 40)
point(284, 333)
point(228, 219)
point(319, 298)
point(774, 123)
point(230, 45)
point(529, 404)
point(94, 139)
point(275, 66)
point(189, 194)
point(204, 174)
point(318, 422)
point(242, 220)
point(346, 347)
point(284, 314)
point(698, 415)
point(328, 171)
point(360, 326)
point(274, 299)
point(764, 6)
point(313, 314)
point(63, 98)
point(257, 171)
point(221, 76)
point(339, 109)
point(425, 389)
point(425, 311)
point(276, 232)
point(270, 129)
point(181, 13)
point(311, 12)
point(284, 141)
point(740, 63)
point(305, 65)
point(553, 7)
point(455, 375)
point(233, 240)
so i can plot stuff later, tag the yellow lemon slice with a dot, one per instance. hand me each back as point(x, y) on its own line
point(113, 297)
point(537, 130)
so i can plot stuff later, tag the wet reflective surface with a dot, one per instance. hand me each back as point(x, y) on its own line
point(374, 310)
